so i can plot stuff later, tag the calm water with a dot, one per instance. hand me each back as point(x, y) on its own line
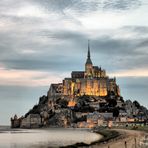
point(42, 138)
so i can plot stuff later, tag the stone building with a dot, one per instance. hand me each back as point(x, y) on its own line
point(16, 122)
point(95, 118)
point(55, 90)
point(31, 121)
point(93, 81)
point(131, 109)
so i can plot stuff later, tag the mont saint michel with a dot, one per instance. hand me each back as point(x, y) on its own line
point(87, 99)
point(73, 73)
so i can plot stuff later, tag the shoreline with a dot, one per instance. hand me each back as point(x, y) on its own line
point(127, 138)
point(113, 137)
point(107, 136)
point(117, 135)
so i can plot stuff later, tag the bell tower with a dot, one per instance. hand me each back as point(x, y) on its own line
point(88, 64)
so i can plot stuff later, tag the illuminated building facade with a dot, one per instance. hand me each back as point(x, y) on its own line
point(93, 81)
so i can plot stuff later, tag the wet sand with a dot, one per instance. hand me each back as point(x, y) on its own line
point(128, 138)
point(37, 138)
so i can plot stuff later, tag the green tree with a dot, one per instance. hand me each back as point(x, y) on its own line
point(137, 104)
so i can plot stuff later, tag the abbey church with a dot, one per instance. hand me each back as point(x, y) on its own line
point(93, 81)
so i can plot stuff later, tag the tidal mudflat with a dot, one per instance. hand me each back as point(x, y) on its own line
point(52, 137)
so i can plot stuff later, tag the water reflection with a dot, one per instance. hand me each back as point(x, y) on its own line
point(37, 138)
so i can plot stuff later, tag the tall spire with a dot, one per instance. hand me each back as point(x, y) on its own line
point(88, 61)
point(88, 55)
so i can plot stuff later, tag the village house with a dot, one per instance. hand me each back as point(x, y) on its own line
point(107, 115)
point(131, 109)
point(95, 118)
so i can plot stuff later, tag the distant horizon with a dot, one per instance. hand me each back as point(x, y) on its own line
point(43, 41)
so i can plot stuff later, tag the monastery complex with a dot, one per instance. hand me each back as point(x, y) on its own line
point(93, 82)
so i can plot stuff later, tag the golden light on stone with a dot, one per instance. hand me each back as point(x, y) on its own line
point(71, 103)
point(92, 81)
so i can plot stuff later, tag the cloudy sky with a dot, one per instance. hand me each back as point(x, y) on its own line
point(42, 41)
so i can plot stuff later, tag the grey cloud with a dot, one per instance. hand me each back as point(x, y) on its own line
point(77, 5)
point(124, 54)
point(50, 64)
point(84, 6)
point(64, 35)
point(105, 44)
point(121, 4)
point(144, 43)
point(70, 48)
point(62, 5)
point(136, 29)
point(109, 45)
point(46, 56)
point(53, 49)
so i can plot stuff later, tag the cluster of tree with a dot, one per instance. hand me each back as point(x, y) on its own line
point(137, 104)
point(37, 108)
point(62, 103)
point(34, 110)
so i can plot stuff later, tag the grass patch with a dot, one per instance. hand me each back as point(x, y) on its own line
point(143, 128)
point(108, 135)
point(136, 127)
point(76, 145)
